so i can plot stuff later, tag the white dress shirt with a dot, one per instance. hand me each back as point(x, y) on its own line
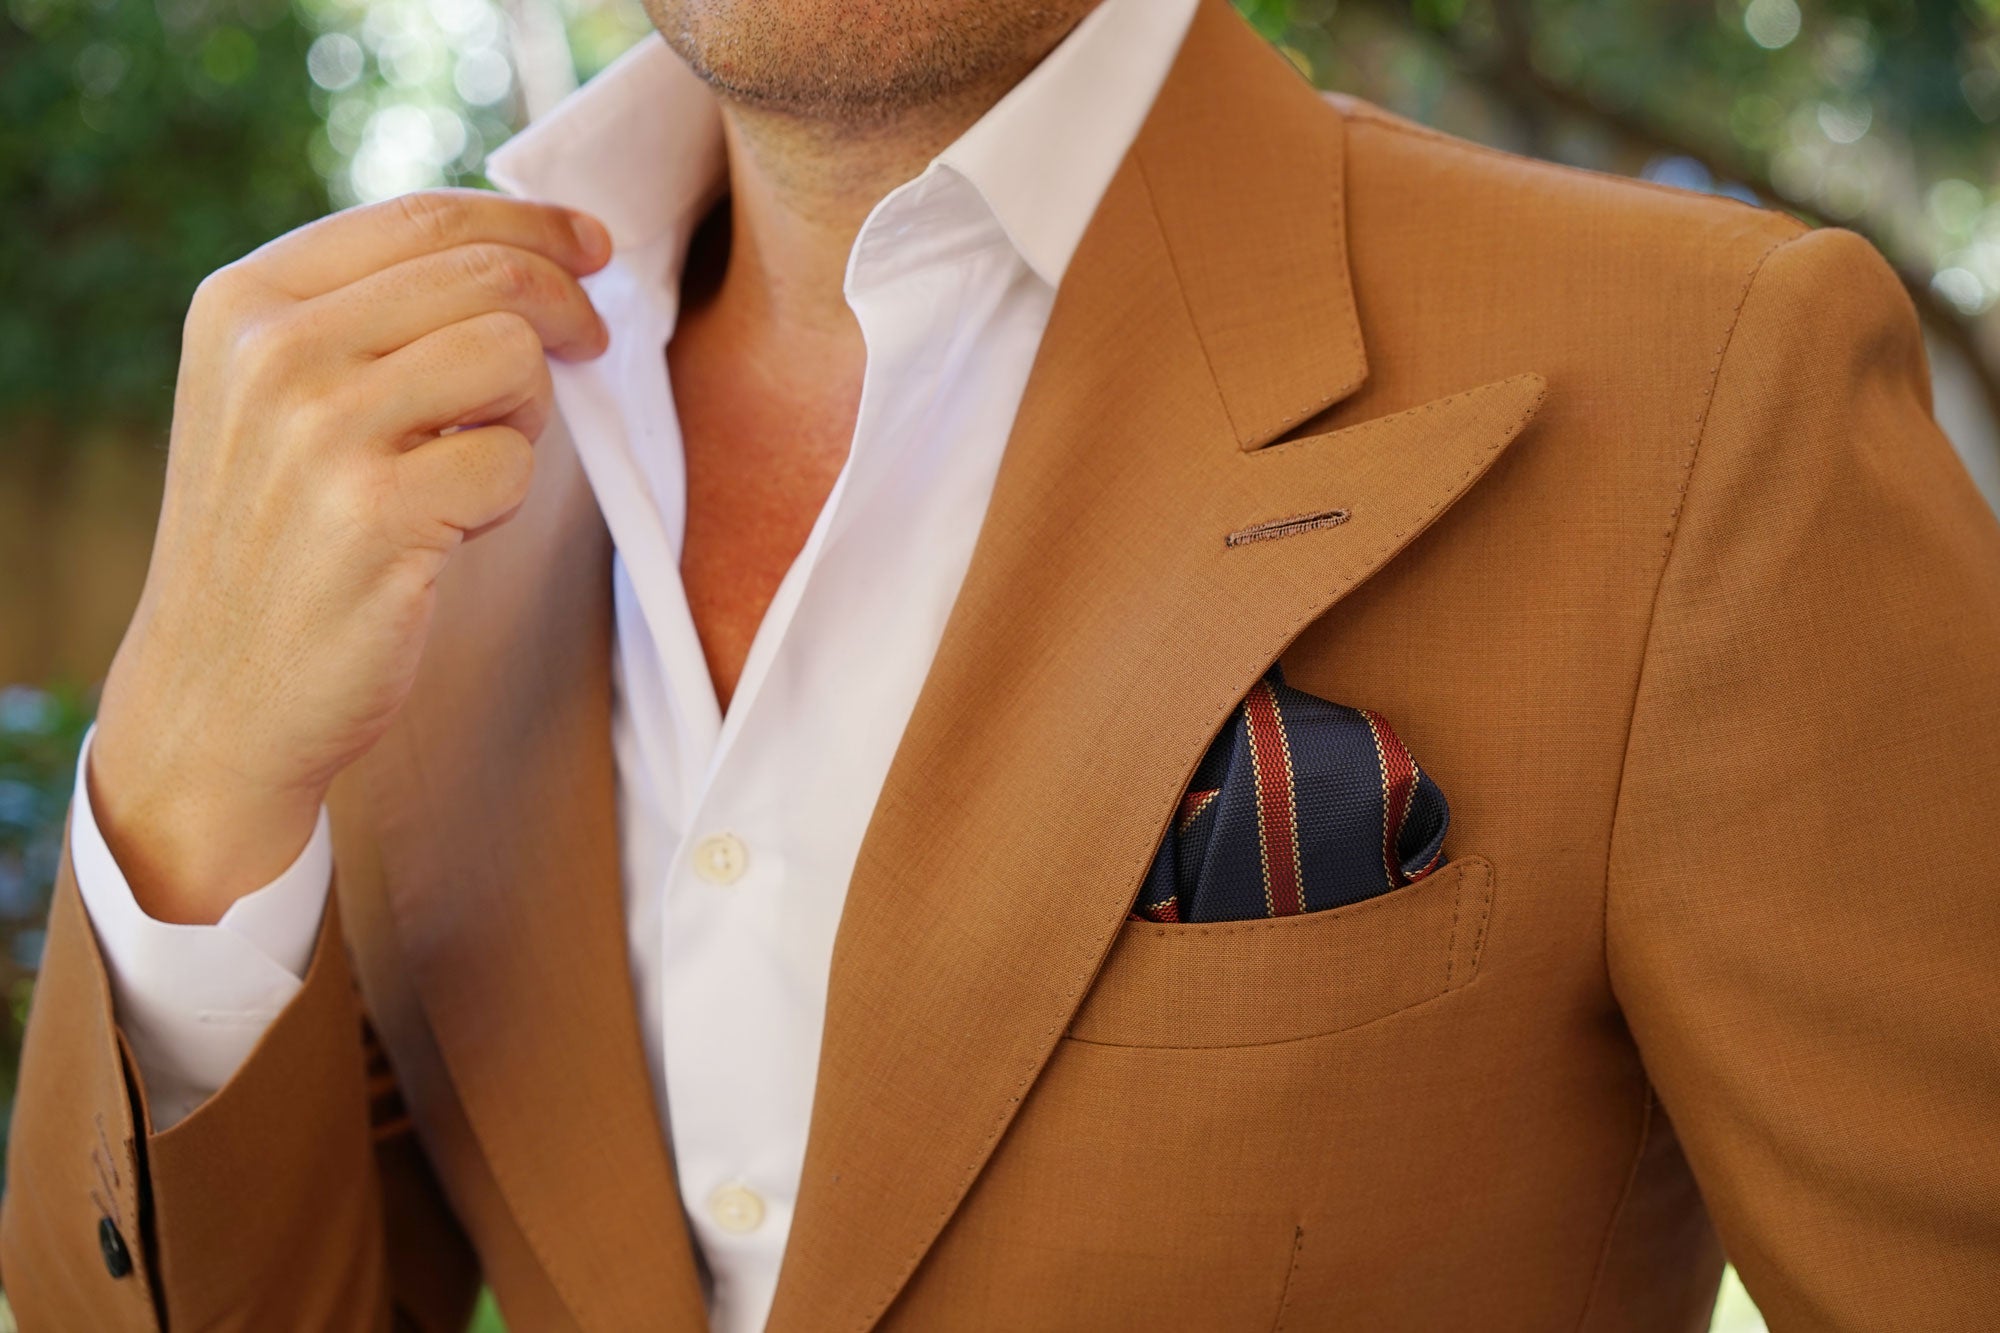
point(738, 831)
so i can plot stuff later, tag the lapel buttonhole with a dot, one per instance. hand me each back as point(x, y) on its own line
point(1285, 527)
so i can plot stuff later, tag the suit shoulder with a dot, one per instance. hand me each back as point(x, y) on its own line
point(1549, 212)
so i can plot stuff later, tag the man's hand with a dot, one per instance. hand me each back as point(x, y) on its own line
point(355, 399)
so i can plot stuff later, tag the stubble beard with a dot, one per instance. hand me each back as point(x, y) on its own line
point(860, 64)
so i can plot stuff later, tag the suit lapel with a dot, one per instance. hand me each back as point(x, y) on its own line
point(1105, 629)
point(493, 803)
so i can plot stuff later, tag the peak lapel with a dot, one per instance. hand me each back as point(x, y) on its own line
point(1243, 162)
point(1104, 631)
point(493, 802)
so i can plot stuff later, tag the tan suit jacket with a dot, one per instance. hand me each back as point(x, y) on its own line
point(1656, 559)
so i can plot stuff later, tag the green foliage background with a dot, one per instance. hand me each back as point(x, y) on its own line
point(141, 146)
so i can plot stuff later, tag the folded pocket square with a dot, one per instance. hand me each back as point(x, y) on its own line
point(1299, 805)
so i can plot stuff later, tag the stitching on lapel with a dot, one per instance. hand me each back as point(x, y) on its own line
point(1285, 527)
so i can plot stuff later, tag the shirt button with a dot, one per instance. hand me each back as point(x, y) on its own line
point(736, 1208)
point(721, 858)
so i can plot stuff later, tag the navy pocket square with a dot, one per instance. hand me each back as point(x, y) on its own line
point(1299, 805)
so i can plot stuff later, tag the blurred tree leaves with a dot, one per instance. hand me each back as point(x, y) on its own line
point(1879, 115)
point(142, 145)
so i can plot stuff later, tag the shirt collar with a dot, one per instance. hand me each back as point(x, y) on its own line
point(1043, 155)
point(640, 145)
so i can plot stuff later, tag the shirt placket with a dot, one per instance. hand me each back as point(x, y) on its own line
point(747, 928)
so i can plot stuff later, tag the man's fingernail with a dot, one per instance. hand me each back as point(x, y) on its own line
point(591, 235)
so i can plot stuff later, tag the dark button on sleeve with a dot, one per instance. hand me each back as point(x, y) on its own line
point(117, 1259)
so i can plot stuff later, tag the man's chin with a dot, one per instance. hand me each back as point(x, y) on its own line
point(860, 61)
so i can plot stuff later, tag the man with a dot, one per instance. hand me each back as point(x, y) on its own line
point(776, 855)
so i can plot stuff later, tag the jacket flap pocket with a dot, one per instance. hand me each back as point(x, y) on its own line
point(1246, 983)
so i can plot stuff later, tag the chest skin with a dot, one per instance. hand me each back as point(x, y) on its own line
point(765, 430)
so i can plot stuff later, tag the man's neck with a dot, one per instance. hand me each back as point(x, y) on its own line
point(800, 189)
point(799, 193)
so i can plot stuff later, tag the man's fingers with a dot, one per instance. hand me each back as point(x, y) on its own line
point(485, 370)
point(469, 479)
point(353, 243)
point(392, 308)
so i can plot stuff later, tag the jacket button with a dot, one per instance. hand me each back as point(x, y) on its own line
point(117, 1259)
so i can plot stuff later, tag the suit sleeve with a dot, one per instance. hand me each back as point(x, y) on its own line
point(1803, 920)
point(192, 1001)
point(263, 1209)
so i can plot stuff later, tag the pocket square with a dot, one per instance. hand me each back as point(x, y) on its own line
point(1300, 804)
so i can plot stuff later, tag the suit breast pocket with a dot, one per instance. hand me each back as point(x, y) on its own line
point(1249, 983)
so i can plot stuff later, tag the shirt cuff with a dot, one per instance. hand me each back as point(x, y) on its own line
point(193, 1001)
